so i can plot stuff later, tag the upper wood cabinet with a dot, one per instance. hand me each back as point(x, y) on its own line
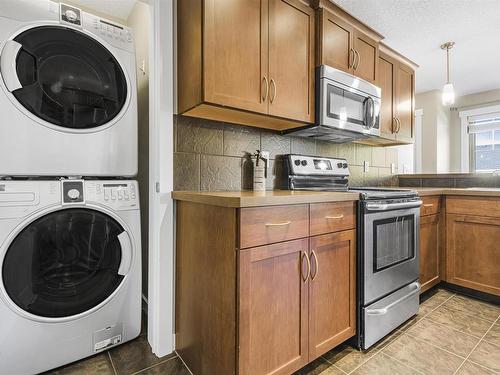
point(396, 78)
point(346, 44)
point(246, 62)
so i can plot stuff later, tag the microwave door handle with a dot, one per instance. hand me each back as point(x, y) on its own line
point(369, 112)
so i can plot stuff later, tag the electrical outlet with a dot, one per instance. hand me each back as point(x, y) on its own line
point(393, 168)
point(366, 166)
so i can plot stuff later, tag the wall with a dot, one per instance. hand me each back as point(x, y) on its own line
point(139, 20)
point(436, 130)
point(467, 102)
point(212, 155)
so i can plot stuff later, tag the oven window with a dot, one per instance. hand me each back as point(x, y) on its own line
point(393, 241)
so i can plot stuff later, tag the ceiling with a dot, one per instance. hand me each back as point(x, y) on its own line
point(416, 28)
point(112, 8)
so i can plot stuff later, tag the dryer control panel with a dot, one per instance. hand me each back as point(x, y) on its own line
point(116, 194)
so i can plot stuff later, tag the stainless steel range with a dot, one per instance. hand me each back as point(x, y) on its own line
point(388, 244)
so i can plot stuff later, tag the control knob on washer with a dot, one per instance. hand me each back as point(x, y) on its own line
point(73, 194)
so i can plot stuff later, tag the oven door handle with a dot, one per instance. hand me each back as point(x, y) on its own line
point(384, 310)
point(392, 206)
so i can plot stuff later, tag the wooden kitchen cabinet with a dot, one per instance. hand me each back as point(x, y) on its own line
point(472, 243)
point(429, 251)
point(345, 43)
point(332, 291)
point(235, 61)
point(273, 301)
point(270, 308)
point(396, 78)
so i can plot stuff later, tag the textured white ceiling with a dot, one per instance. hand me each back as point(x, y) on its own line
point(113, 8)
point(417, 28)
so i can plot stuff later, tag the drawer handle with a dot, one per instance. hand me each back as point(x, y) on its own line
point(308, 262)
point(313, 254)
point(278, 224)
point(334, 217)
point(428, 204)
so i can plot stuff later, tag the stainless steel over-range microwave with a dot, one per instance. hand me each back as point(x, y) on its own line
point(347, 108)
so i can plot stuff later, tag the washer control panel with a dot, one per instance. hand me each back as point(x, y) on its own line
point(116, 194)
point(72, 191)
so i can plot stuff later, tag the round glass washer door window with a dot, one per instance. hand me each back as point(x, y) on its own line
point(64, 263)
point(68, 79)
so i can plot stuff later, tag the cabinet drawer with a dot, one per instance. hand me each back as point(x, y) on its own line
point(430, 205)
point(264, 225)
point(332, 217)
point(480, 206)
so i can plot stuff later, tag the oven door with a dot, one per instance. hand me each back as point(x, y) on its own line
point(391, 247)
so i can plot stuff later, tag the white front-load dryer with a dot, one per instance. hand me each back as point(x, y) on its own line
point(70, 263)
point(68, 99)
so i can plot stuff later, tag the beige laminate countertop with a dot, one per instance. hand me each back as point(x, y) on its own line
point(239, 199)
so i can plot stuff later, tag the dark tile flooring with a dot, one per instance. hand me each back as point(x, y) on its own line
point(452, 334)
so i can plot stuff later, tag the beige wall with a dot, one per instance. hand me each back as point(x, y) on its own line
point(139, 20)
point(436, 130)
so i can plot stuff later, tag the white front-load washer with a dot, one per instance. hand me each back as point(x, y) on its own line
point(70, 263)
point(68, 99)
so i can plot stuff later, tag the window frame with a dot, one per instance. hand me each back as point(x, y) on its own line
point(467, 140)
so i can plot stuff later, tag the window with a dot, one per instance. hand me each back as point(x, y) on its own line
point(481, 140)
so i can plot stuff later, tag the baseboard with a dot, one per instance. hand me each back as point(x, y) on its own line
point(486, 297)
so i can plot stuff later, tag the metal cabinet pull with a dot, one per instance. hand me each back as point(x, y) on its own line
point(352, 57)
point(359, 59)
point(275, 91)
point(394, 120)
point(335, 217)
point(313, 254)
point(278, 224)
point(304, 255)
point(398, 123)
point(428, 204)
point(264, 97)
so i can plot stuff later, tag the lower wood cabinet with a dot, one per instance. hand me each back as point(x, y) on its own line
point(473, 249)
point(267, 309)
point(332, 291)
point(429, 251)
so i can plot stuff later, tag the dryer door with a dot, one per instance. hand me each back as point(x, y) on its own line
point(66, 262)
point(64, 77)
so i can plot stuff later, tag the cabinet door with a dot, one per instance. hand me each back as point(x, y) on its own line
point(473, 253)
point(236, 53)
point(366, 64)
point(429, 251)
point(386, 75)
point(335, 45)
point(405, 89)
point(332, 291)
point(291, 60)
point(273, 308)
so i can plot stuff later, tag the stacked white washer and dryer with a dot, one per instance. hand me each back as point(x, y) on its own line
point(70, 252)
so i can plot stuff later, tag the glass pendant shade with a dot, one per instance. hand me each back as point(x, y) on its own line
point(448, 94)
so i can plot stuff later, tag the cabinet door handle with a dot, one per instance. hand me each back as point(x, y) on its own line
point(359, 59)
point(308, 263)
point(352, 57)
point(278, 224)
point(313, 254)
point(275, 91)
point(334, 217)
point(394, 120)
point(428, 204)
point(398, 122)
point(266, 92)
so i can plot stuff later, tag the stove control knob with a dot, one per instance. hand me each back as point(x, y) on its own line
point(339, 165)
point(345, 165)
point(297, 162)
point(304, 163)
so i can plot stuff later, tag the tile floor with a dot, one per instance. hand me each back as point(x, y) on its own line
point(452, 334)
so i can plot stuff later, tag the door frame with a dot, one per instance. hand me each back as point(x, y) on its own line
point(161, 205)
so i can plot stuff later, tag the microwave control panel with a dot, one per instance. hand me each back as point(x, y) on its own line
point(312, 165)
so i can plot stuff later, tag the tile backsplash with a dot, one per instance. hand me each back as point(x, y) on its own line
point(211, 155)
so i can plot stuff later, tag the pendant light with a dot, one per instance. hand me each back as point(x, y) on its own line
point(448, 90)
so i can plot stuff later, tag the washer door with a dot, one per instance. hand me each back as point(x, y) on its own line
point(64, 77)
point(65, 263)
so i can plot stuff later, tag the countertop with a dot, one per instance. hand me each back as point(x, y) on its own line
point(239, 199)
